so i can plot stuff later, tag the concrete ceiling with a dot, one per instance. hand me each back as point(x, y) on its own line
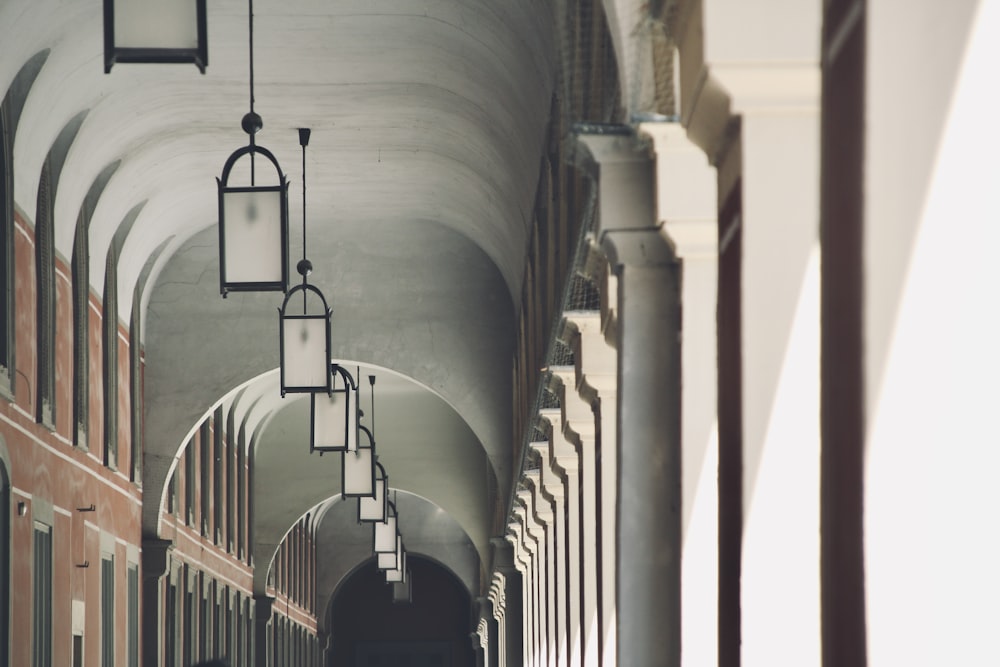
point(428, 120)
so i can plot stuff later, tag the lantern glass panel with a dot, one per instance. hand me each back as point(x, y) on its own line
point(335, 420)
point(253, 243)
point(149, 24)
point(389, 561)
point(359, 472)
point(373, 509)
point(385, 536)
point(305, 362)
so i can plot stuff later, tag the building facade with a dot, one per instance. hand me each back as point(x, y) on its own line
point(676, 318)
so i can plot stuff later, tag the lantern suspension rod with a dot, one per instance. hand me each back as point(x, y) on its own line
point(371, 381)
point(304, 141)
point(250, 2)
point(304, 266)
point(252, 122)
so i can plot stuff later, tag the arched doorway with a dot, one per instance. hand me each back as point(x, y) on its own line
point(368, 628)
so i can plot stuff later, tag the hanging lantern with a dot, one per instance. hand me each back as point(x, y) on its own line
point(334, 416)
point(357, 472)
point(152, 31)
point(305, 342)
point(253, 217)
point(374, 508)
point(385, 532)
point(402, 591)
point(253, 228)
point(393, 559)
point(399, 574)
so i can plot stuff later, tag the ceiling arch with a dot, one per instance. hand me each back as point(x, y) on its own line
point(426, 529)
point(430, 455)
point(429, 123)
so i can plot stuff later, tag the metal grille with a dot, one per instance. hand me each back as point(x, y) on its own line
point(549, 401)
point(583, 294)
point(585, 50)
point(561, 354)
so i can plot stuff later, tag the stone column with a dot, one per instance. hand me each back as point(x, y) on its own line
point(687, 213)
point(564, 456)
point(155, 559)
point(649, 475)
point(757, 118)
point(527, 556)
point(553, 501)
point(513, 604)
point(490, 631)
point(536, 531)
point(500, 626)
point(263, 605)
point(596, 368)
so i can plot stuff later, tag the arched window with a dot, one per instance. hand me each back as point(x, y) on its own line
point(109, 326)
point(10, 113)
point(135, 386)
point(7, 252)
point(81, 331)
point(45, 299)
point(81, 307)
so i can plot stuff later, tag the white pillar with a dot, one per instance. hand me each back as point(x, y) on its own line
point(553, 486)
point(686, 211)
point(530, 546)
point(576, 435)
point(596, 367)
point(649, 474)
point(543, 508)
point(750, 94)
point(536, 531)
point(931, 329)
point(780, 369)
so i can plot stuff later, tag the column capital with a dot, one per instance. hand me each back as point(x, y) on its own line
point(503, 554)
point(637, 247)
point(782, 88)
point(608, 143)
point(155, 558)
point(686, 191)
point(541, 506)
point(625, 176)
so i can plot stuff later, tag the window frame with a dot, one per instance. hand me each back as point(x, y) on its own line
point(41, 595)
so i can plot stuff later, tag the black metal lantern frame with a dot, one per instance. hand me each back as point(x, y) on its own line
point(357, 470)
point(385, 532)
point(249, 234)
point(333, 417)
point(374, 509)
point(305, 344)
point(195, 52)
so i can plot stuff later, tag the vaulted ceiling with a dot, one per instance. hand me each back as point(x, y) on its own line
point(428, 120)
